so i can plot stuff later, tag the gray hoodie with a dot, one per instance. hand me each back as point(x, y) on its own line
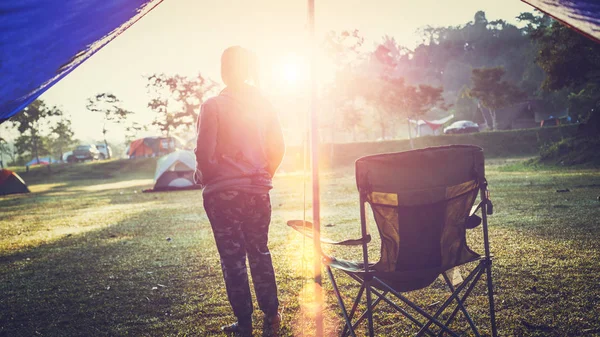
point(240, 142)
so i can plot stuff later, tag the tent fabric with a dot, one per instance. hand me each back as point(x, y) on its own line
point(174, 172)
point(429, 127)
point(42, 41)
point(11, 183)
point(4, 174)
point(582, 15)
point(138, 149)
point(42, 161)
point(154, 146)
point(178, 161)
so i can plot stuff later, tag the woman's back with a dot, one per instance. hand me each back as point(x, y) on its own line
point(248, 144)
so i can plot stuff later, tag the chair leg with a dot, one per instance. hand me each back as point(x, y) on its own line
point(362, 317)
point(340, 301)
point(466, 294)
point(460, 301)
point(490, 287)
point(368, 281)
point(471, 281)
point(370, 305)
point(401, 310)
point(433, 319)
point(354, 307)
point(382, 296)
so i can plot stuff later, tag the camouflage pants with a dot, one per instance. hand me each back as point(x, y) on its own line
point(240, 224)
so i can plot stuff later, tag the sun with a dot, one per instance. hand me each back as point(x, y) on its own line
point(293, 70)
point(290, 72)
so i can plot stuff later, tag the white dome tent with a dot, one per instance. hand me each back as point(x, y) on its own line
point(175, 171)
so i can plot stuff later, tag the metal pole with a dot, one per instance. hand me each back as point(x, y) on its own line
point(315, 174)
point(488, 258)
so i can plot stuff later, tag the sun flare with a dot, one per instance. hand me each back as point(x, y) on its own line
point(293, 70)
point(290, 73)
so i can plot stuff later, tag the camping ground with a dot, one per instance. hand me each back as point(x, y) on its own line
point(87, 254)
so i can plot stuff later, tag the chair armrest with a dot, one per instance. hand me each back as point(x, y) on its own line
point(306, 228)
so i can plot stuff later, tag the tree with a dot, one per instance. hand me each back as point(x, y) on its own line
point(447, 54)
point(7, 149)
point(397, 100)
point(132, 130)
point(570, 61)
point(351, 118)
point(24, 144)
point(61, 137)
point(421, 99)
point(110, 107)
point(343, 48)
point(28, 124)
point(465, 107)
point(177, 100)
point(385, 95)
point(3, 149)
point(492, 92)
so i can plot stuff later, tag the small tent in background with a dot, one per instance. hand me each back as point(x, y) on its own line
point(423, 127)
point(11, 183)
point(42, 161)
point(175, 171)
point(154, 146)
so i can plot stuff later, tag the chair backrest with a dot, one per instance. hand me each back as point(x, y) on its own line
point(421, 200)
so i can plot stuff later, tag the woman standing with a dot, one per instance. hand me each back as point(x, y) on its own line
point(239, 148)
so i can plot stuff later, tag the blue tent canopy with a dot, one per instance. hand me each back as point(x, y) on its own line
point(41, 41)
point(581, 15)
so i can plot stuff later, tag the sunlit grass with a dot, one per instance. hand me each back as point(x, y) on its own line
point(118, 185)
point(97, 257)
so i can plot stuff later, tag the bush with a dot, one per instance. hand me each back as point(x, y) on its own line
point(496, 144)
point(572, 151)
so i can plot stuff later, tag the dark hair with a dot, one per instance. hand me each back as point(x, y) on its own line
point(239, 65)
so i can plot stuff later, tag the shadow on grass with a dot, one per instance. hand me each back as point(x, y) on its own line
point(122, 278)
point(126, 279)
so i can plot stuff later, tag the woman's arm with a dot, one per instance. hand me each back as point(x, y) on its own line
point(206, 141)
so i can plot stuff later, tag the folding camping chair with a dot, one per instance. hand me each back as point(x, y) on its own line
point(422, 202)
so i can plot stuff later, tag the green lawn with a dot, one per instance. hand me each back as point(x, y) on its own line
point(87, 254)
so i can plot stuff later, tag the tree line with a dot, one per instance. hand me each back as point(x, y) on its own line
point(462, 70)
point(471, 70)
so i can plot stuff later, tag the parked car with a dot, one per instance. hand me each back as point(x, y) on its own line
point(105, 152)
point(68, 157)
point(86, 152)
point(461, 127)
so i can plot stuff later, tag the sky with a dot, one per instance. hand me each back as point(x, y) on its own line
point(187, 37)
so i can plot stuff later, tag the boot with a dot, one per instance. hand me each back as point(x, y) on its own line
point(239, 329)
point(271, 325)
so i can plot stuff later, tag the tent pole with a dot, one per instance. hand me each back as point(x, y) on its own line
point(315, 174)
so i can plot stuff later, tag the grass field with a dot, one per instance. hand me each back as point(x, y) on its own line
point(87, 254)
